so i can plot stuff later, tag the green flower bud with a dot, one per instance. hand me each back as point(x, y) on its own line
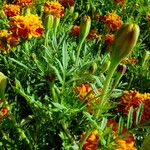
point(71, 10)
point(3, 83)
point(146, 58)
point(56, 24)
point(85, 26)
point(87, 7)
point(93, 67)
point(49, 19)
point(75, 15)
point(105, 66)
point(125, 40)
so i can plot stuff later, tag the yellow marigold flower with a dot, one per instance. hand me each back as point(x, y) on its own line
point(113, 21)
point(120, 2)
point(22, 2)
point(134, 98)
point(91, 142)
point(109, 38)
point(54, 8)
point(74, 31)
point(26, 26)
point(131, 60)
point(11, 10)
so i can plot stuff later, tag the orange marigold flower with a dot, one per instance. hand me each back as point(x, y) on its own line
point(109, 38)
point(131, 60)
point(120, 2)
point(75, 31)
point(133, 98)
point(93, 35)
point(3, 40)
point(11, 10)
point(113, 21)
point(148, 16)
point(26, 26)
point(66, 3)
point(54, 8)
point(91, 142)
point(23, 2)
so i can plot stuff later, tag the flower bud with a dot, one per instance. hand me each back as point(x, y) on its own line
point(105, 66)
point(122, 68)
point(87, 7)
point(93, 68)
point(71, 10)
point(125, 40)
point(75, 15)
point(48, 22)
point(146, 58)
point(3, 83)
point(56, 24)
point(84, 27)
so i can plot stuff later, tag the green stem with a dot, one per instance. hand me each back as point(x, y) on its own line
point(78, 52)
point(110, 73)
point(51, 84)
point(27, 47)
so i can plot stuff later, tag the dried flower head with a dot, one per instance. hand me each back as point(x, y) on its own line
point(113, 21)
point(66, 3)
point(26, 26)
point(91, 142)
point(109, 38)
point(11, 10)
point(54, 8)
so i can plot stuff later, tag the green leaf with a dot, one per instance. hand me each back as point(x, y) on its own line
point(64, 55)
point(130, 118)
point(139, 113)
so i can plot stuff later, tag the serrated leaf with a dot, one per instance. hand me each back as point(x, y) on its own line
point(130, 118)
point(103, 123)
point(139, 113)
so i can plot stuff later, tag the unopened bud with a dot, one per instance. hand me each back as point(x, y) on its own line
point(146, 58)
point(75, 16)
point(56, 23)
point(122, 68)
point(3, 83)
point(87, 7)
point(71, 10)
point(48, 22)
point(93, 68)
point(125, 40)
point(85, 26)
point(105, 66)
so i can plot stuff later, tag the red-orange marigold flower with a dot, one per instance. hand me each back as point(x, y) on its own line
point(133, 99)
point(113, 21)
point(109, 38)
point(3, 40)
point(148, 17)
point(66, 3)
point(131, 60)
point(75, 31)
point(26, 26)
point(11, 10)
point(91, 142)
point(22, 2)
point(54, 8)
point(93, 35)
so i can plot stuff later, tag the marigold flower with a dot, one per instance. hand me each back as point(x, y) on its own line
point(66, 3)
point(3, 111)
point(83, 90)
point(120, 2)
point(54, 8)
point(74, 31)
point(93, 34)
point(26, 26)
point(23, 2)
point(109, 38)
point(148, 17)
point(133, 98)
point(91, 142)
point(113, 21)
point(11, 10)
point(131, 60)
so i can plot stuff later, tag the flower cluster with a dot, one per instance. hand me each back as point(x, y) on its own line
point(126, 142)
point(133, 98)
point(66, 3)
point(113, 21)
point(6, 40)
point(11, 10)
point(131, 60)
point(54, 8)
point(26, 26)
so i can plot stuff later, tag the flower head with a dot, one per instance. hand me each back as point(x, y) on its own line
point(54, 8)
point(148, 16)
point(91, 142)
point(23, 2)
point(26, 26)
point(66, 3)
point(131, 60)
point(75, 31)
point(11, 10)
point(3, 111)
point(113, 21)
point(109, 38)
point(133, 98)
point(93, 34)
point(120, 2)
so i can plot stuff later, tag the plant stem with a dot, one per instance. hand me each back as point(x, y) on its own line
point(51, 85)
